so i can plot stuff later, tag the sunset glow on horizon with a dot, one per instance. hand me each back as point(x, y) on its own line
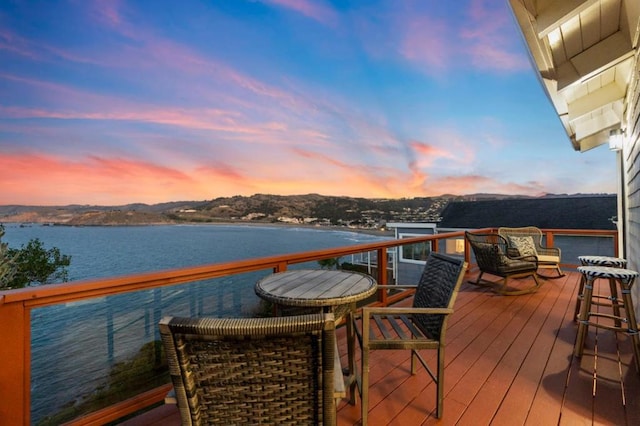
point(116, 102)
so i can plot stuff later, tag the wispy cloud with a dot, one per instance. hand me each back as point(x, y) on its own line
point(437, 44)
point(317, 10)
point(13, 43)
point(424, 43)
point(128, 101)
point(488, 41)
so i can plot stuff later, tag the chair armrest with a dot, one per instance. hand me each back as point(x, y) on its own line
point(407, 310)
point(397, 286)
point(549, 251)
point(170, 397)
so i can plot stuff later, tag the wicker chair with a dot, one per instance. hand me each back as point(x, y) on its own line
point(528, 240)
point(494, 258)
point(239, 371)
point(421, 326)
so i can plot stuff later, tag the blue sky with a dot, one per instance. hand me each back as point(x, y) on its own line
point(110, 102)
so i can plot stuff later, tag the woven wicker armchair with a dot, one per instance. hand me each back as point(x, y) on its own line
point(239, 371)
point(528, 240)
point(421, 326)
point(494, 258)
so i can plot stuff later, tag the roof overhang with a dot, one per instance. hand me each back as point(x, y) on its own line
point(584, 52)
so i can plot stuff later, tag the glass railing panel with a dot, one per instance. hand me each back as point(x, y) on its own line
point(572, 246)
point(91, 354)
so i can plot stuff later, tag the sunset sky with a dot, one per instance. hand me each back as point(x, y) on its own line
point(111, 102)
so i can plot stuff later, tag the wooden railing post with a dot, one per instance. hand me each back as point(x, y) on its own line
point(382, 273)
point(14, 363)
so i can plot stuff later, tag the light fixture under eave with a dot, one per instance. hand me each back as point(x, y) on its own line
point(616, 137)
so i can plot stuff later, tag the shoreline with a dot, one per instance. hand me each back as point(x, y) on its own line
point(367, 231)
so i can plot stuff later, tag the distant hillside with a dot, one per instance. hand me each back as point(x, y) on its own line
point(311, 209)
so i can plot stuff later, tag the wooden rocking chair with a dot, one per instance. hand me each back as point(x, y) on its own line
point(526, 241)
point(493, 257)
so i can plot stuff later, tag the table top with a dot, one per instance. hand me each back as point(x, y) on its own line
point(315, 287)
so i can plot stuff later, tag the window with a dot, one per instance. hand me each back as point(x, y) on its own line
point(414, 253)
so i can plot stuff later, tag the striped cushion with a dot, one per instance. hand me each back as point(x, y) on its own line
point(615, 262)
point(607, 272)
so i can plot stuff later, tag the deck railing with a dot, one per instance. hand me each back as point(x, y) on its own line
point(16, 310)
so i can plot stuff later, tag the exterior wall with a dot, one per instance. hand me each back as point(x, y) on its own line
point(629, 161)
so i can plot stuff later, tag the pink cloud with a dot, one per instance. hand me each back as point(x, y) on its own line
point(18, 45)
point(450, 151)
point(422, 148)
point(469, 184)
point(487, 41)
point(54, 180)
point(435, 45)
point(314, 9)
point(69, 103)
point(108, 11)
point(112, 181)
point(425, 43)
point(157, 52)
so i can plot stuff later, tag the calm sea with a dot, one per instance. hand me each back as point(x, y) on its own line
point(74, 346)
point(107, 251)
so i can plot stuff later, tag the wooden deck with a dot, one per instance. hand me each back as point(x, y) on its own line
point(509, 361)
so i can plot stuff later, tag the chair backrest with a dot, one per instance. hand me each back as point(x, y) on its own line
point(489, 250)
point(252, 370)
point(516, 238)
point(438, 288)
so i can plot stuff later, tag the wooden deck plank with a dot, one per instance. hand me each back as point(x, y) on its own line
point(509, 361)
point(537, 339)
point(517, 363)
point(556, 346)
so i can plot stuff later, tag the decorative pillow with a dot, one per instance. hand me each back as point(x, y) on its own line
point(524, 245)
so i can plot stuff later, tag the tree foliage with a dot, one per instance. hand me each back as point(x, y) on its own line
point(8, 266)
point(329, 263)
point(31, 264)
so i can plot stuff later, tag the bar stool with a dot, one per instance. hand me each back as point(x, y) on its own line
point(613, 262)
point(625, 278)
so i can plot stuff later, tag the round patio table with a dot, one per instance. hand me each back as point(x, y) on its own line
point(316, 288)
point(325, 290)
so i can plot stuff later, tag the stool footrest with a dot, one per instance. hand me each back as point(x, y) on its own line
point(613, 300)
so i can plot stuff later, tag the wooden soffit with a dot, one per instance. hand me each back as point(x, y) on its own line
point(583, 51)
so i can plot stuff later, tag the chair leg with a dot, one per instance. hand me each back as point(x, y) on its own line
point(583, 317)
point(550, 277)
point(440, 383)
point(364, 396)
point(615, 302)
point(480, 282)
point(579, 298)
point(503, 288)
point(351, 337)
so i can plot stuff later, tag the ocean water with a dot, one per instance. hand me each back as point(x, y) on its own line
point(75, 345)
point(109, 251)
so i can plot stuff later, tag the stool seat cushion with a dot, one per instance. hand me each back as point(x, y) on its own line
point(607, 272)
point(602, 261)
